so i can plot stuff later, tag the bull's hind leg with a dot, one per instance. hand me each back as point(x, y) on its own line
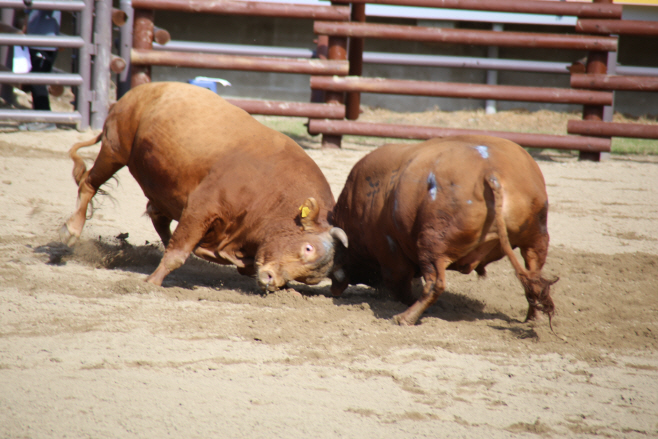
point(435, 284)
point(537, 288)
point(106, 165)
point(161, 223)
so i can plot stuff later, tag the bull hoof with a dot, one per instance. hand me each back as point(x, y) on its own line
point(66, 236)
point(401, 320)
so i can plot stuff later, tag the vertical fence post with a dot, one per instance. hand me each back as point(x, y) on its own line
point(492, 75)
point(101, 71)
point(337, 50)
point(596, 64)
point(142, 39)
point(125, 44)
point(321, 52)
point(7, 57)
point(83, 95)
point(353, 99)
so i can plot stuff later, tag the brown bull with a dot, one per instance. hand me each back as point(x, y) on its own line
point(242, 193)
point(445, 204)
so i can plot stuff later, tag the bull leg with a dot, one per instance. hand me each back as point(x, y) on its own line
point(192, 226)
point(537, 289)
point(106, 165)
point(435, 283)
point(161, 223)
point(339, 282)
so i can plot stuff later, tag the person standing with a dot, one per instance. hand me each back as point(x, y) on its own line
point(42, 58)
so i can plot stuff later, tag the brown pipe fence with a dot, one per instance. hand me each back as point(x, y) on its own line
point(142, 56)
point(336, 73)
point(598, 10)
point(465, 36)
point(461, 90)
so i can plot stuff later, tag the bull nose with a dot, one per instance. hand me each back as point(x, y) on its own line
point(266, 278)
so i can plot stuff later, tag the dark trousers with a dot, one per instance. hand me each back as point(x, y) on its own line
point(42, 62)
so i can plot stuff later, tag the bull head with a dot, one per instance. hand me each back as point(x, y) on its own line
point(308, 258)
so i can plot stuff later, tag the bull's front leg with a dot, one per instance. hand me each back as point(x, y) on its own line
point(193, 225)
point(172, 259)
point(435, 283)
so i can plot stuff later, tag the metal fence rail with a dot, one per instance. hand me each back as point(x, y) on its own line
point(81, 43)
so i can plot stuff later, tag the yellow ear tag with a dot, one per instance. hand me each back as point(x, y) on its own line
point(305, 210)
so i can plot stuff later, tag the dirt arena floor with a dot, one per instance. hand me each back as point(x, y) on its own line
point(88, 350)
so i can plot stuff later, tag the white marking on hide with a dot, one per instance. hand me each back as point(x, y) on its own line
point(483, 150)
point(431, 183)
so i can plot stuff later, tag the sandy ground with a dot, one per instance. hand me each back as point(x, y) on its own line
point(87, 349)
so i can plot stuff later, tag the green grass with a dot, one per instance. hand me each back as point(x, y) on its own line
point(625, 145)
point(290, 126)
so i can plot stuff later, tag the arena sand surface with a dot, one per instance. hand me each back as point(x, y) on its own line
point(87, 349)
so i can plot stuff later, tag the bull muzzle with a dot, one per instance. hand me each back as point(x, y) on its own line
point(268, 280)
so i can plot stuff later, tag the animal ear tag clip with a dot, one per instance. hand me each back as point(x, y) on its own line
point(308, 213)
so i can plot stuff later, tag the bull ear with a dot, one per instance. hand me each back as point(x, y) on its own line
point(308, 213)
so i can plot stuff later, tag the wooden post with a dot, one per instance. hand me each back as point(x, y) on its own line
point(597, 62)
point(338, 51)
point(353, 100)
point(143, 29)
point(321, 52)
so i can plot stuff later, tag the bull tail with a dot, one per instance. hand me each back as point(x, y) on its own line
point(537, 288)
point(79, 167)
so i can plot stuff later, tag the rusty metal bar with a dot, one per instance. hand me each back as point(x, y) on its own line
point(297, 109)
point(119, 17)
point(461, 90)
point(353, 99)
point(336, 50)
point(143, 29)
point(465, 36)
point(612, 129)
point(526, 6)
point(139, 57)
point(263, 9)
point(348, 127)
point(117, 64)
point(161, 36)
point(597, 63)
point(613, 82)
point(618, 27)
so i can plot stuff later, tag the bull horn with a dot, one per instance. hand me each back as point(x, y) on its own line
point(339, 234)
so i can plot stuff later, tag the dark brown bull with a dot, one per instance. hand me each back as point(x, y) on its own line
point(242, 193)
point(457, 203)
